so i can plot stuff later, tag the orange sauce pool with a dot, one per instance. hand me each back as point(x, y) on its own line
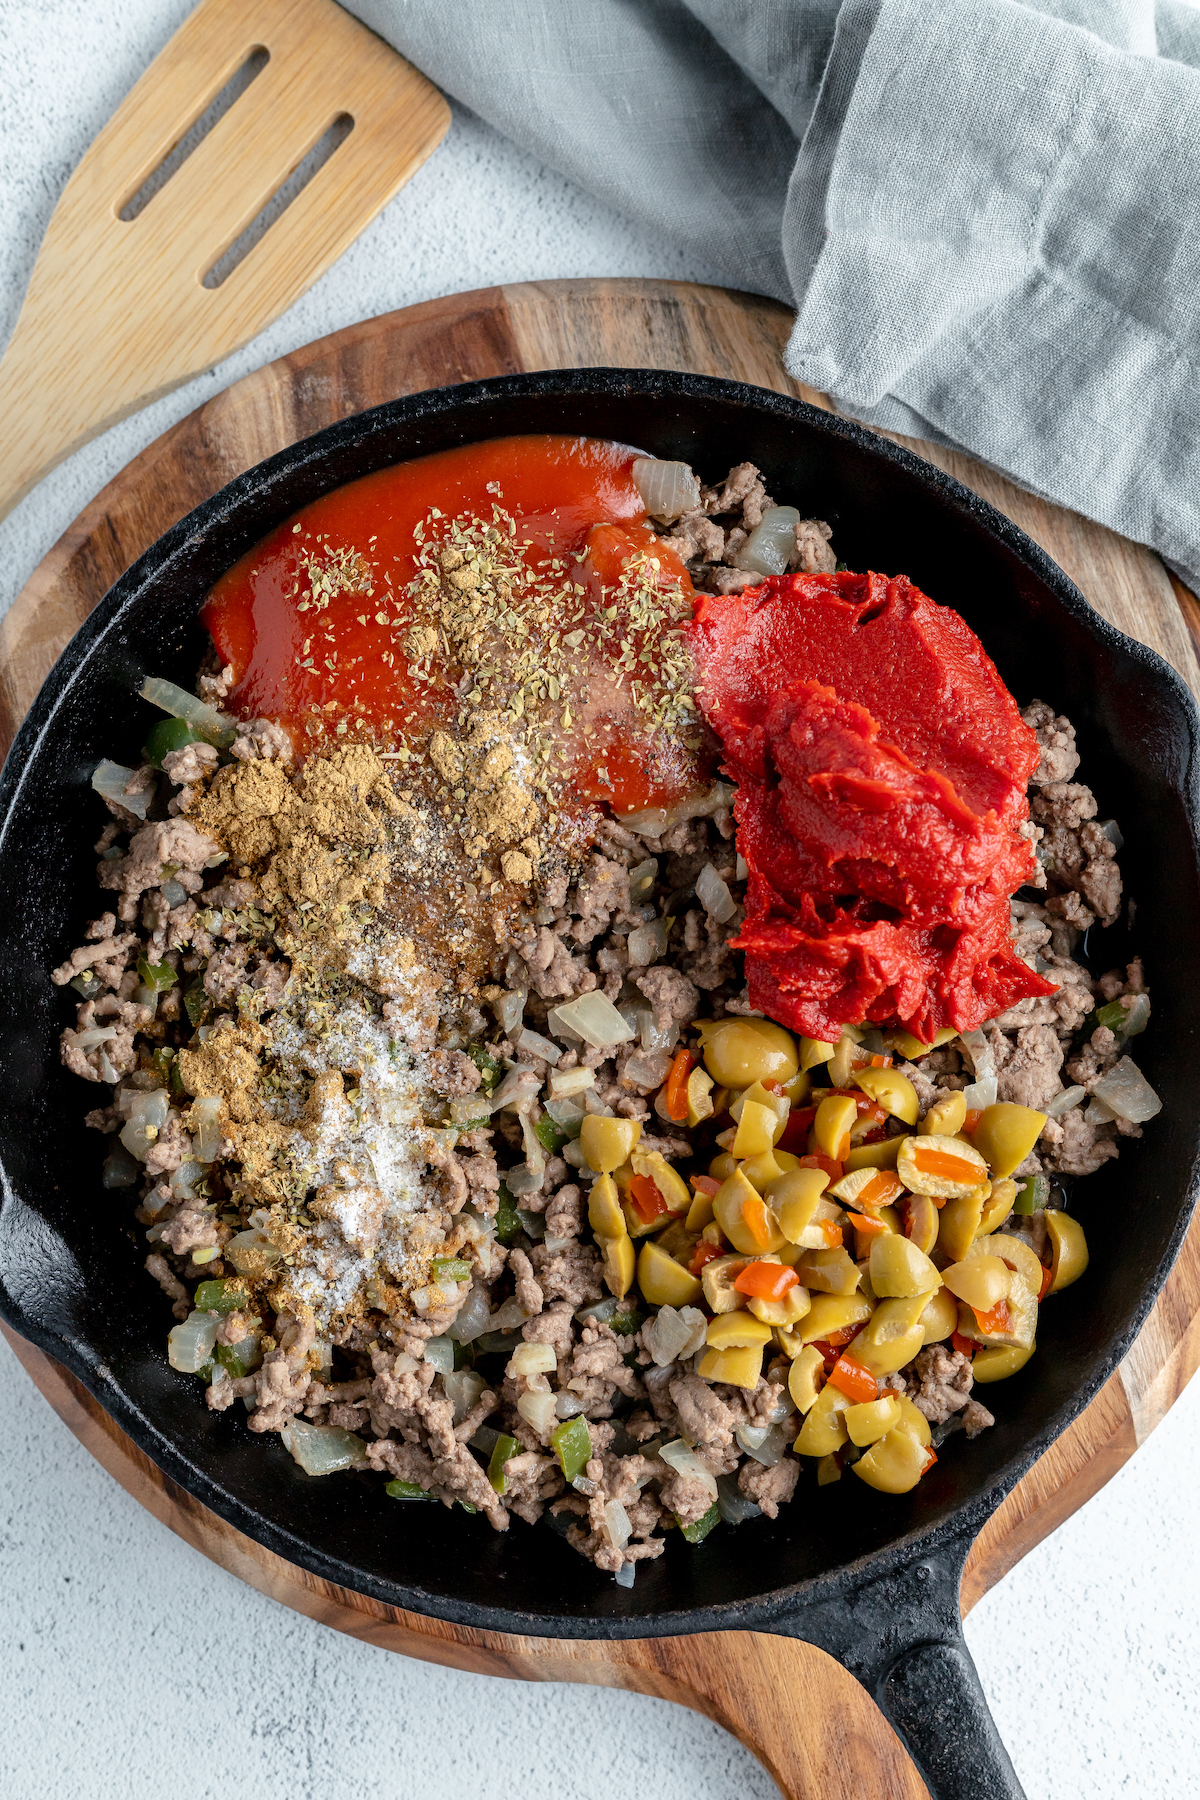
point(313, 618)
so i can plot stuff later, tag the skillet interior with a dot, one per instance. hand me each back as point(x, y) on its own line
point(70, 1264)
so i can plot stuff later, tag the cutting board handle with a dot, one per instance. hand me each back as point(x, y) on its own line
point(900, 1634)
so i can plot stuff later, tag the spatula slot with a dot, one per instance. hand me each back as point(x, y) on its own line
point(205, 121)
point(310, 165)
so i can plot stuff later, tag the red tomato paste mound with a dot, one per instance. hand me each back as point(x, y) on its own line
point(882, 768)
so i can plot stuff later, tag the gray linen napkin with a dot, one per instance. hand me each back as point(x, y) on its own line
point(987, 215)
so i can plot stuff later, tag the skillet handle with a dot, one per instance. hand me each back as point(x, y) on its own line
point(932, 1699)
point(900, 1634)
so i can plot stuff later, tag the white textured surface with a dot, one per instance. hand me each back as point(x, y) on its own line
point(132, 1668)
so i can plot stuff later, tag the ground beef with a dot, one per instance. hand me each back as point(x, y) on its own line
point(705, 1420)
point(674, 999)
point(572, 1273)
point(769, 1488)
point(572, 937)
point(939, 1382)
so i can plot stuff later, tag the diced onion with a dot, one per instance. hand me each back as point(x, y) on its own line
point(97, 1034)
point(532, 1043)
point(675, 1333)
point(517, 1090)
point(190, 1345)
point(979, 1053)
point(532, 1359)
point(734, 1507)
point(206, 721)
point(570, 1081)
point(600, 1310)
point(1137, 1015)
point(463, 1388)
point(1125, 1089)
point(120, 1169)
point(647, 1071)
point(440, 1352)
point(751, 1436)
point(472, 1317)
point(1099, 1114)
point(174, 893)
point(772, 543)
point(683, 1459)
point(147, 1115)
point(1062, 1103)
point(568, 1406)
point(981, 1093)
point(770, 1448)
point(668, 489)
point(714, 895)
point(617, 1528)
point(1112, 832)
point(109, 779)
point(641, 880)
point(251, 1251)
point(521, 1179)
point(464, 1108)
point(568, 1115)
point(653, 821)
point(535, 1154)
point(658, 1037)
point(206, 1114)
point(538, 1410)
point(647, 943)
point(508, 1316)
point(594, 1018)
point(624, 1576)
point(323, 1449)
point(741, 870)
point(485, 1439)
point(508, 1009)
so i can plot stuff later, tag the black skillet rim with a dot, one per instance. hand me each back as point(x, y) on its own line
point(774, 1609)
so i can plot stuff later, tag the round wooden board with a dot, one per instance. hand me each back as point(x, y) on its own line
point(809, 1722)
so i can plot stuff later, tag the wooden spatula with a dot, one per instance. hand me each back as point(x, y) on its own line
point(121, 309)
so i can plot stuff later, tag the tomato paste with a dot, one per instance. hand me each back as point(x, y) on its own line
point(882, 768)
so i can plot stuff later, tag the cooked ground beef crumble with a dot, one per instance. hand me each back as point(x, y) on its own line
point(202, 945)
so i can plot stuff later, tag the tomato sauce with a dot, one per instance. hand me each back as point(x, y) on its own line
point(313, 619)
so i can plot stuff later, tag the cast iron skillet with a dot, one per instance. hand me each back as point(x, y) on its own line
point(871, 1579)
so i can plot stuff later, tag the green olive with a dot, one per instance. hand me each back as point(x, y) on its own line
point(945, 1117)
point(1005, 1135)
point(738, 1052)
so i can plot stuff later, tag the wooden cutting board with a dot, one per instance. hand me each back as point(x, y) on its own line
point(811, 1724)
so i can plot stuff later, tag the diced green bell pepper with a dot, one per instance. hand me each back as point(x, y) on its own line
point(1032, 1194)
point(572, 1443)
point(158, 976)
point(450, 1268)
point(550, 1136)
point(241, 1357)
point(507, 1222)
point(166, 736)
point(487, 1065)
point(504, 1448)
point(196, 1002)
point(696, 1534)
point(625, 1320)
point(407, 1490)
point(223, 1297)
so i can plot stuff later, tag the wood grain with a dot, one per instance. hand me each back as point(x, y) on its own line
point(810, 1723)
point(116, 311)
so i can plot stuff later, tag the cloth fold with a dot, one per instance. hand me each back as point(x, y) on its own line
point(984, 212)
